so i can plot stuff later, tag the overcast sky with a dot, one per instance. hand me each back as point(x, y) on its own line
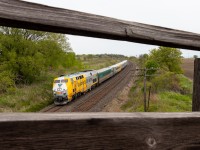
point(176, 14)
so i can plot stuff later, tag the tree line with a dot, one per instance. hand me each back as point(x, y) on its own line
point(25, 54)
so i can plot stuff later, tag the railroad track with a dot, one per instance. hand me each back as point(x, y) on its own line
point(102, 91)
point(51, 108)
point(87, 102)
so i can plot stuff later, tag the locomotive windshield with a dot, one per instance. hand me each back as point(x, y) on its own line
point(64, 81)
point(56, 81)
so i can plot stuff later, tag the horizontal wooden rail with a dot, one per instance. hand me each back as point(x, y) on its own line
point(15, 13)
point(100, 131)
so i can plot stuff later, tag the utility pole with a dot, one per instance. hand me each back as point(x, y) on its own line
point(145, 88)
point(145, 100)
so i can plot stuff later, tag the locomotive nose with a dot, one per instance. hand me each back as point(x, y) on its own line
point(60, 92)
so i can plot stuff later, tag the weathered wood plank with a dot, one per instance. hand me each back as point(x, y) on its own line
point(100, 131)
point(15, 13)
point(196, 86)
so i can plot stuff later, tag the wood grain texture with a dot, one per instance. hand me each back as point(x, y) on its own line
point(100, 131)
point(196, 86)
point(15, 13)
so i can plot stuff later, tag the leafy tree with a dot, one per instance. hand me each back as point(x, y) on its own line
point(24, 54)
point(142, 59)
point(168, 59)
point(153, 65)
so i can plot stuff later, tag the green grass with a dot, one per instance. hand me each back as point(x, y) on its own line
point(185, 84)
point(27, 98)
point(135, 97)
point(171, 102)
point(162, 101)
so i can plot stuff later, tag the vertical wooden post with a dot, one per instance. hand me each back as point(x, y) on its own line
point(196, 86)
point(145, 105)
point(149, 98)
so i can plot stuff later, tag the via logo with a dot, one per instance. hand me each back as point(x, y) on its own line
point(59, 85)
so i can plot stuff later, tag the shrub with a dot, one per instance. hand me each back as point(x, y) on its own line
point(6, 81)
point(167, 81)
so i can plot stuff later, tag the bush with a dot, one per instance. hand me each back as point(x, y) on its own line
point(167, 81)
point(6, 81)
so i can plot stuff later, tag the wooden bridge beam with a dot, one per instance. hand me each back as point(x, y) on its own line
point(16, 13)
point(100, 131)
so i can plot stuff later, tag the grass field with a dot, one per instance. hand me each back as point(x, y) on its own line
point(188, 67)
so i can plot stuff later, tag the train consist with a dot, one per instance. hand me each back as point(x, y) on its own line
point(68, 87)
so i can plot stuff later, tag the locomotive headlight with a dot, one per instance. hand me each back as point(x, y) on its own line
point(54, 92)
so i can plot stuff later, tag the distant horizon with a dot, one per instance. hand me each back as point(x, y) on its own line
point(130, 56)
